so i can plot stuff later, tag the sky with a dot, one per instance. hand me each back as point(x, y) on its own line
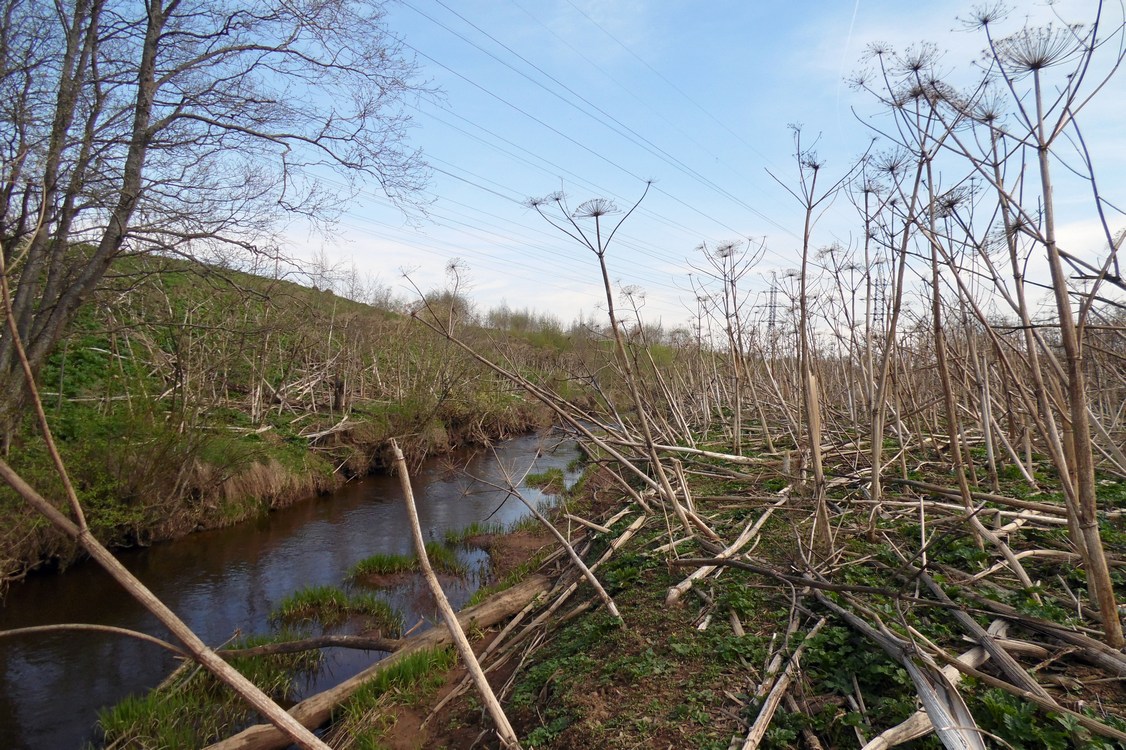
point(594, 98)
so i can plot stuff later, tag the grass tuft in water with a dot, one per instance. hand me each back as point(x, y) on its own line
point(444, 560)
point(383, 564)
point(330, 606)
point(193, 709)
point(477, 528)
point(550, 481)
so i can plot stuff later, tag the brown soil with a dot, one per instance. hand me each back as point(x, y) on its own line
point(508, 551)
point(415, 728)
point(456, 726)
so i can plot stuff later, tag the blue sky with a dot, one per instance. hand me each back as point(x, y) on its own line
point(596, 97)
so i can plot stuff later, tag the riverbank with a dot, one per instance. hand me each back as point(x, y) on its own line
point(227, 475)
point(749, 639)
point(232, 581)
point(187, 397)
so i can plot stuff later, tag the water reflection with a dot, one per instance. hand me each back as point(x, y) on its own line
point(227, 581)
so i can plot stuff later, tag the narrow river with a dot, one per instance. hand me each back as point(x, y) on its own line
point(227, 581)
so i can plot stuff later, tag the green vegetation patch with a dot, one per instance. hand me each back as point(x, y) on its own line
point(476, 529)
point(362, 722)
point(444, 560)
point(193, 708)
point(519, 573)
point(1023, 726)
point(381, 564)
point(329, 606)
point(551, 481)
point(377, 566)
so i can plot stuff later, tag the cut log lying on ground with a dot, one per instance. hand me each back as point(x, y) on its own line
point(315, 711)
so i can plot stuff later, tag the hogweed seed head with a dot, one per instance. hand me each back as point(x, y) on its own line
point(1030, 50)
point(594, 208)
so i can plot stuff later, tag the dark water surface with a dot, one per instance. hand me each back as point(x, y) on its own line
point(227, 581)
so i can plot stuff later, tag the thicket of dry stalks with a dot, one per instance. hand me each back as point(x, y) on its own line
point(914, 392)
point(925, 377)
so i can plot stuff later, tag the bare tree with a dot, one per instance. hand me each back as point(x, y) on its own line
point(180, 126)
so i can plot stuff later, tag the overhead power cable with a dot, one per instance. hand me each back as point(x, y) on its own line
point(624, 240)
point(621, 128)
point(670, 84)
point(568, 138)
point(693, 235)
point(627, 90)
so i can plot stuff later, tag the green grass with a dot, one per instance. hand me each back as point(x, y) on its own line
point(528, 523)
point(194, 709)
point(150, 448)
point(362, 722)
point(442, 560)
point(383, 564)
point(331, 606)
point(550, 481)
point(477, 528)
point(519, 573)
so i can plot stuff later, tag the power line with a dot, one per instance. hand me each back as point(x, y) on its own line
point(579, 179)
point(622, 129)
point(671, 85)
point(694, 209)
point(628, 90)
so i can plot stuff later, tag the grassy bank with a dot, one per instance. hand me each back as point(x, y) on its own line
point(696, 673)
point(186, 398)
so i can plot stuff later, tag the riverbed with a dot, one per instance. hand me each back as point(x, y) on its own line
point(226, 582)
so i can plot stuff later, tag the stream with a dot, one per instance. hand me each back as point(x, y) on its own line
point(227, 581)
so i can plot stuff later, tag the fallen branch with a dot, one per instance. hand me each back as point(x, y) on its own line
point(574, 586)
point(1055, 510)
point(338, 427)
point(781, 685)
point(575, 558)
point(360, 642)
point(88, 627)
point(919, 724)
point(469, 659)
point(952, 720)
point(677, 591)
point(1014, 671)
point(283, 723)
point(1094, 651)
point(1083, 720)
point(316, 710)
point(588, 524)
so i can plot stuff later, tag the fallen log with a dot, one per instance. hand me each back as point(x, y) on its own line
point(359, 642)
point(316, 710)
